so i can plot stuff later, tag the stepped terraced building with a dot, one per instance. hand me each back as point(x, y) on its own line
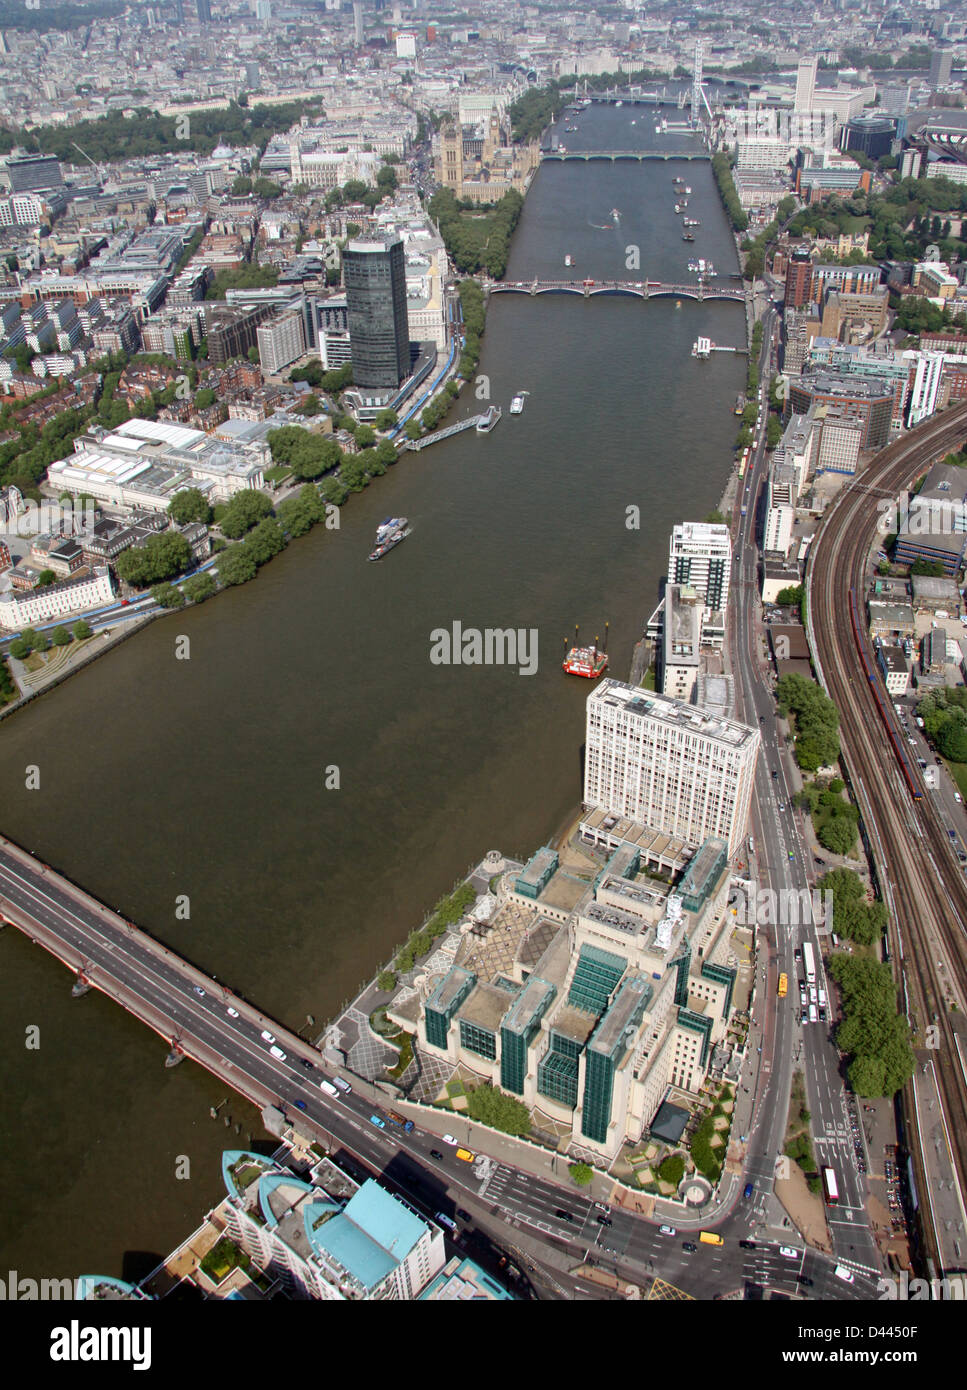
point(603, 1000)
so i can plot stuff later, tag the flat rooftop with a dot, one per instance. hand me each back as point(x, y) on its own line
point(633, 993)
point(544, 861)
point(564, 892)
point(448, 988)
point(616, 920)
point(485, 1006)
point(531, 1000)
point(687, 718)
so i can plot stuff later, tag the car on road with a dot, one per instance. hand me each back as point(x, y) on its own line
point(464, 1215)
point(466, 1154)
point(845, 1274)
point(375, 1120)
point(690, 1246)
point(232, 1013)
point(343, 1085)
point(958, 797)
point(304, 1062)
point(605, 1221)
point(749, 1189)
point(449, 1139)
point(952, 834)
point(789, 1252)
point(804, 1279)
point(447, 1221)
point(667, 1231)
point(747, 1245)
point(277, 1052)
point(563, 1215)
point(329, 1088)
point(269, 1037)
point(199, 991)
point(301, 1105)
point(782, 805)
point(435, 1153)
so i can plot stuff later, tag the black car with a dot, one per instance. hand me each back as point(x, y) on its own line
point(309, 1066)
point(689, 1246)
point(804, 1279)
point(463, 1215)
point(563, 1215)
point(747, 1244)
point(605, 1221)
point(435, 1153)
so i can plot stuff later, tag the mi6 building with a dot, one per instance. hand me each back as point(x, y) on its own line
point(595, 1022)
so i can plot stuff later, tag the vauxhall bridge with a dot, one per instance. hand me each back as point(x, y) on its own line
point(641, 289)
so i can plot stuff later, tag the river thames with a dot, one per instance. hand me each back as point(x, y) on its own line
point(207, 777)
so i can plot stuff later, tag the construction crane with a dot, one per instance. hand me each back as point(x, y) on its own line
point(95, 167)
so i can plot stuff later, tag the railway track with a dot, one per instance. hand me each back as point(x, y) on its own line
point(922, 881)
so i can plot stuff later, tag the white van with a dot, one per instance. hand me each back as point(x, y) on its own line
point(329, 1088)
point(843, 1273)
point(822, 999)
point(277, 1052)
point(813, 1015)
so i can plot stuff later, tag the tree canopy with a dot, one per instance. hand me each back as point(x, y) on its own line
point(159, 558)
point(872, 1030)
point(244, 511)
point(189, 505)
point(854, 917)
point(817, 721)
point(944, 715)
point(500, 1111)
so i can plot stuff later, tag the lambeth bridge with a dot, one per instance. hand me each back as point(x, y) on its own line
point(614, 155)
point(641, 289)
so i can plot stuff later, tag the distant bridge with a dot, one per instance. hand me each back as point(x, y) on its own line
point(641, 289)
point(613, 155)
point(677, 94)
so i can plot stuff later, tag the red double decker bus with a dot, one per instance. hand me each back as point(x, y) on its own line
point(830, 1190)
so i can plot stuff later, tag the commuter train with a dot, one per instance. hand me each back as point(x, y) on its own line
point(886, 715)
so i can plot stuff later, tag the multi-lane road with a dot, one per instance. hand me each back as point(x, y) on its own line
point(782, 863)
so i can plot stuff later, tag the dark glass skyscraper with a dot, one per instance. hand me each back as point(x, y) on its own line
point(204, 11)
point(379, 334)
